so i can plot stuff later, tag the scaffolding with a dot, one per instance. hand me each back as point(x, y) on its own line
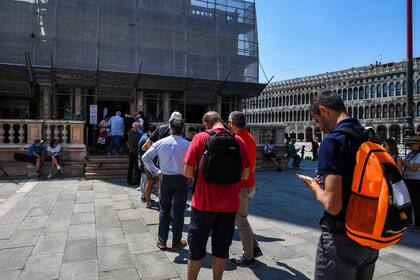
point(204, 39)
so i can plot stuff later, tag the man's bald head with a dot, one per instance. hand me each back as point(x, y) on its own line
point(211, 118)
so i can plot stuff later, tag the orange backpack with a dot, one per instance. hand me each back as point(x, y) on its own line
point(379, 208)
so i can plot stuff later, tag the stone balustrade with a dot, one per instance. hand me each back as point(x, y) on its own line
point(24, 132)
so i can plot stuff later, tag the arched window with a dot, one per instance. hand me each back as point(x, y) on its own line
point(391, 90)
point(391, 111)
point(312, 97)
point(379, 91)
point(372, 112)
point(344, 94)
point(398, 110)
point(339, 94)
point(361, 113)
point(385, 90)
point(294, 116)
point(299, 100)
point(418, 86)
point(355, 93)
point(378, 111)
point(361, 93)
point(367, 112)
point(355, 112)
point(295, 100)
point(385, 111)
point(367, 92)
point(287, 100)
point(372, 91)
point(350, 94)
point(350, 111)
point(307, 98)
point(398, 86)
point(404, 88)
point(307, 115)
point(404, 109)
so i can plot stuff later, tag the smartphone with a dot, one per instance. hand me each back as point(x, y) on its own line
point(304, 177)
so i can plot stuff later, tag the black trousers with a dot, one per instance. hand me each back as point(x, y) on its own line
point(339, 257)
point(133, 170)
point(414, 189)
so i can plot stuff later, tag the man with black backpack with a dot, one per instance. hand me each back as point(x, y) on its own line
point(337, 256)
point(221, 159)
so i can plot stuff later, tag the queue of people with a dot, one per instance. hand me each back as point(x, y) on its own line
point(220, 161)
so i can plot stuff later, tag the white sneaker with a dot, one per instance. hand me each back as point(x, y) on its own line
point(50, 176)
point(58, 167)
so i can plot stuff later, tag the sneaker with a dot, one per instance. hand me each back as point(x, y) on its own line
point(143, 199)
point(242, 261)
point(58, 167)
point(257, 252)
point(161, 245)
point(181, 244)
point(149, 205)
point(50, 176)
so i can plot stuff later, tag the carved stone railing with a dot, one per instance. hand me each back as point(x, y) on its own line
point(23, 132)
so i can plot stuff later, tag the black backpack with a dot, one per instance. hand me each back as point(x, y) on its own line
point(22, 157)
point(222, 158)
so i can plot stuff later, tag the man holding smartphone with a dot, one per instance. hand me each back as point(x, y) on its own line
point(337, 256)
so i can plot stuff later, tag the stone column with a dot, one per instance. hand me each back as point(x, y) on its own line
point(401, 135)
point(133, 102)
point(46, 102)
point(77, 101)
point(387, 132)
point(219, 104)
point(140, 101)
point(166, 105)
point(279, 135)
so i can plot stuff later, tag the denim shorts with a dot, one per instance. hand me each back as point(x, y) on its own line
point(220, 225)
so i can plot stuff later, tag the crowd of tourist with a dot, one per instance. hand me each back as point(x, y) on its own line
point(217, 165)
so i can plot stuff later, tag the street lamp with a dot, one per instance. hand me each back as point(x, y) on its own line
point(409, 121)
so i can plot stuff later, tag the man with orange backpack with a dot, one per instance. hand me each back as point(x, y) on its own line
point(358, 220)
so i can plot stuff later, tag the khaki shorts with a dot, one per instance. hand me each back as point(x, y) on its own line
point(150, 177)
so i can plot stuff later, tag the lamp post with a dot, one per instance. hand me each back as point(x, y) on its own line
point(409, 121)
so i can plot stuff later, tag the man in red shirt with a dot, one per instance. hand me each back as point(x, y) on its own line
point(213, 206)
point(237, 124)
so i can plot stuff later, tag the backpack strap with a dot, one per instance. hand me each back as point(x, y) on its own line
point(211, 132)
point(356, 135)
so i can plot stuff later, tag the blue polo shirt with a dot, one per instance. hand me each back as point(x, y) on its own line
point(337, 156)
point(37, 150)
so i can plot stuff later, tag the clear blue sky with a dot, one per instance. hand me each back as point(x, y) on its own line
point(306, 37)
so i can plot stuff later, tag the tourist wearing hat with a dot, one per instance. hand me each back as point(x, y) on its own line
point(412, 177)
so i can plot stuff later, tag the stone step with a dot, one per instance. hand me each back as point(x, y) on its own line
point(98, 177)
point(106, 173)
point(99, 165)
point(108, 159)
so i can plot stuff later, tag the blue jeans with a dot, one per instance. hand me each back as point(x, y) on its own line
point(173, 188)
point(115, 141)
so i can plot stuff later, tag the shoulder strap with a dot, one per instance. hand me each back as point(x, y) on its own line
point(353, 133)
point(211, 132)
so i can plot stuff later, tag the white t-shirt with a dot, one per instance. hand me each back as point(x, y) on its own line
point(408, 173)
point(54, 151)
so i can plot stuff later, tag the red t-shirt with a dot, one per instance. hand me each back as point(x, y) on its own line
point(213, 197)
point(251, 146)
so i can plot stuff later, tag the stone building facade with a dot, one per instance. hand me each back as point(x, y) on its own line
point(375, 94)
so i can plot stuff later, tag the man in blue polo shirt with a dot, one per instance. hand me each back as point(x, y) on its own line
point(36, 155)
point(337, 256)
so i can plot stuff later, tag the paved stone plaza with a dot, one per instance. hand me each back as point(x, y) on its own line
point(78, 229)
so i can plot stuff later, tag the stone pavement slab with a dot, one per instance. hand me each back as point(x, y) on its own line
point(42, 267)
point(86, 270)
point(14, 259)
point(80, 250)
point(114, 257)
point(78, 229)
point(122, 274)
